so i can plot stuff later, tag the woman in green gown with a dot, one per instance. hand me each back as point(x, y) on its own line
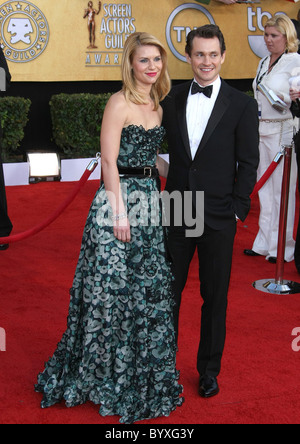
point(119, 348)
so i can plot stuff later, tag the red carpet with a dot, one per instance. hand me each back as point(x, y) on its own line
point(260, 376)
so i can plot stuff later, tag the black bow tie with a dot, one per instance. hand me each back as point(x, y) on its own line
point(207, 91)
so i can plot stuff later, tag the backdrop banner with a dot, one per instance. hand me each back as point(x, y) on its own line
point(80, 40)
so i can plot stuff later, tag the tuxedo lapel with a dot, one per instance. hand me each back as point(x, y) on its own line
point(181, 102)
point(220, 107)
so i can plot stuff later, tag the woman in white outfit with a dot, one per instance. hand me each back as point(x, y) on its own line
point(276, 130)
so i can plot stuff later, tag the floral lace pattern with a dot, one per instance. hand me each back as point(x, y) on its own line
point(119, 348)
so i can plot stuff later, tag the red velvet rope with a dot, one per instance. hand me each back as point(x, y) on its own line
point(55, 215)
point(264, 178)
point(266, 175)
point(83, 180)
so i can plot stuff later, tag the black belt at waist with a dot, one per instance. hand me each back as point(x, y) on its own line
point(138, 172)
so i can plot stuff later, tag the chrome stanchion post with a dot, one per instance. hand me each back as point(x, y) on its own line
point(279, 285)
point(285, 192)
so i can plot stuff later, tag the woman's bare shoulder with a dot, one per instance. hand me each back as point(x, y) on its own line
point(117, 100)
point(117, 107)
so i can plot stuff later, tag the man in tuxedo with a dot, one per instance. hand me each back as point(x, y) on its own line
point(5, 223)
point(212, 132)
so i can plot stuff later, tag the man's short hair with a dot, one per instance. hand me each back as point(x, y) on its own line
point(205, 32)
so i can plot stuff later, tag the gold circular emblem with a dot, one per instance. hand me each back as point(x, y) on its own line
point(24, 31)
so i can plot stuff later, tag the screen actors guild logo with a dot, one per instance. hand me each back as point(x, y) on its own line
point(20, 30)
point(24, 31)
point(115, 26)
point(90, 14)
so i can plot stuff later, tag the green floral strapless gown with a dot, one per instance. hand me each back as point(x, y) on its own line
point(119, 348)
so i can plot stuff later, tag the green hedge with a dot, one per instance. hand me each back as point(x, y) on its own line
point(76, 123)
point(13, 118)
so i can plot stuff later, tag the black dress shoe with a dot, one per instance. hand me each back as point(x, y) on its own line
point(4, 247)
point(251, 253)
point(273, 260)
point(208, 386)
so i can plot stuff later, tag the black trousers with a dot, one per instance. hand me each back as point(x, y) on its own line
point(5, 223)
point(215, 250)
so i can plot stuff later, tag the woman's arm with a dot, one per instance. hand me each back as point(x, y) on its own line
point(113, 122)
point(294, 94)
point(162, 166)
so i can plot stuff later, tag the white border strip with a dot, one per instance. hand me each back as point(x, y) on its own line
point(16, 174)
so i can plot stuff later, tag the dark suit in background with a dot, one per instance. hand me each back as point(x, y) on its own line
point(5, 223)
point(225, 169)
point(297, 26)
point(296, 113)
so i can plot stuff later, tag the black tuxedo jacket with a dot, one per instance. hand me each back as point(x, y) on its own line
point(225, 166)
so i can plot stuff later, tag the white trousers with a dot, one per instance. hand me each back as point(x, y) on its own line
point(266, 240)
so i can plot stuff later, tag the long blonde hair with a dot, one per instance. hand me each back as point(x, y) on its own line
point(163, 85)
point(285, 25)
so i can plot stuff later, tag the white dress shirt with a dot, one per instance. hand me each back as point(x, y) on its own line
point(198, 112)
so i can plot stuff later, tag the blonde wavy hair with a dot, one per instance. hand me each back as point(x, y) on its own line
point(285, 25)
point(163, 85)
